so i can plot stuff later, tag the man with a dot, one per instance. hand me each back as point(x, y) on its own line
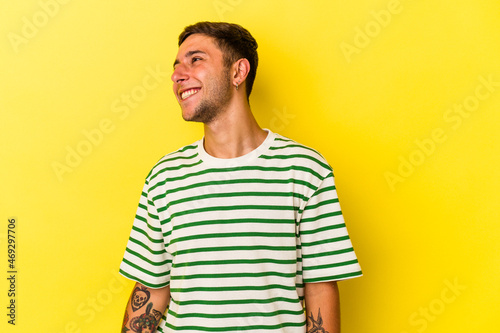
point(236, 231)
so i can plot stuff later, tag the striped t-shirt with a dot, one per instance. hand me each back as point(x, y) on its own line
point(236, 239)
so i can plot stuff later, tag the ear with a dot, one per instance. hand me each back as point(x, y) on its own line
point(240, 70)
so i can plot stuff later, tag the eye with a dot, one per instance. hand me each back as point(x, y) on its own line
point(194, 59)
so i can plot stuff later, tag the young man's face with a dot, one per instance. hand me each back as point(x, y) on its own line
point(202, 83)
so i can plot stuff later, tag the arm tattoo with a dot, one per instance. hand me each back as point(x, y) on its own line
point(125, 321)
point(157, 315)
point(147, 322)
point(140, 297)
point(315, 326)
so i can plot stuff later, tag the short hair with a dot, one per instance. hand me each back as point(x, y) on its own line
point(234, 41)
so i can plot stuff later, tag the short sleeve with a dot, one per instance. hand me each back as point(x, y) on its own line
point(327, 252)
point(145, 259)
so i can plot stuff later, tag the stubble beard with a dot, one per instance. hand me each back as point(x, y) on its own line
point(213, 105)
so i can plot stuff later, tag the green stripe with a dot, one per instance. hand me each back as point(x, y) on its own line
point(139, 268)
point(236, 181)
point(232, 288)
point(328, 227)
point(244, 168)
point(325, 189)
point(286, 157)
point(234, 262)
point(174, 168)
point(140, 256)
point(227, 208)
point(154, 217)
point(180, 157)
point(145, 220)
point(234, 328)
point(151, 204)
point(236, 248)
point(322, 216)
point(233, 235)
point(146, 247)
point(166, 158)
point(235, 315)
point(325, 254)
point(326, 241)
point(140, 218)
point(322, 203)
point(152, 240)
point(237, 301)
point(185, 148)
point(231, 195)
point(229, 221)
point(338, 264)
point(232, 275)
point(283, 139)
point(295, 145)
point(147, 284)
point(333, 277)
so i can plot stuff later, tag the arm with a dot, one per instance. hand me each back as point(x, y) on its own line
point(322, 307)
point(145, 308)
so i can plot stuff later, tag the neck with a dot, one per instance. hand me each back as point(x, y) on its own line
point(234, 133)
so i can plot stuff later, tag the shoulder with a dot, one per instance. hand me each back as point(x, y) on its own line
point(175, 160)
point(287, 148)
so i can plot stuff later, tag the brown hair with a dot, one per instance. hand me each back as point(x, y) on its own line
point(234, 41)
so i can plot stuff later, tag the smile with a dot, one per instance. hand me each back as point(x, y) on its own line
point(189, 92)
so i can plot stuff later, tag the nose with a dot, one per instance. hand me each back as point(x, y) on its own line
point(180, 74)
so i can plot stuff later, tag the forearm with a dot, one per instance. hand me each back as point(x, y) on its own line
point(145, 308)
point(322, 307)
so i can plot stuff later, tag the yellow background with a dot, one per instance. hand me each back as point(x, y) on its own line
point(370, 84)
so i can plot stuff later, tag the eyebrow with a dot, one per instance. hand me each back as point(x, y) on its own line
point(187, 55)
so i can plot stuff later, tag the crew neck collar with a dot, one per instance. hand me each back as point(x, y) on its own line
point(236, 161)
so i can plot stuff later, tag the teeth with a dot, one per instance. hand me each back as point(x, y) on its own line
point(188, 93)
